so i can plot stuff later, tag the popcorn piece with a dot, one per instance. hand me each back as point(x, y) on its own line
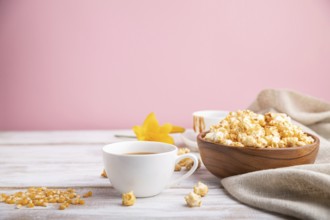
point(193, 200)
point(62, 207)
point(246, 128)
point(81, 202)
point(128, 199)
point(191, 164)
point(30, 205)
point(3, 197)
point(88, 194)
point(104, 174)
point(187, 162)
point(184, 162)
point(201, 189)
point(177, 167)
point(183, 151)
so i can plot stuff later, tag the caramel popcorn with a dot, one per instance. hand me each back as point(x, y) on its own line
point(42, 196)
point(128, 199)
point(88, 194)
point(190, 164)
point(177, 167)
point(187, 162)
point(193, 200)
point(104, 174)
point(246, 128)
point(201, 189)
point(183, 151)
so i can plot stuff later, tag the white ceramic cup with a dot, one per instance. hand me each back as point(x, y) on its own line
point(144, 174)
point(202, 120)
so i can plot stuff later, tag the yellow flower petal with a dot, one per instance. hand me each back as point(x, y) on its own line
point(166, 128)
point(166, 139)
point(150, 123)
point(138, 132)
point(177, 129)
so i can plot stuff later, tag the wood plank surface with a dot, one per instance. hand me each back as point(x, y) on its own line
point(75, 160)
point(62, 137)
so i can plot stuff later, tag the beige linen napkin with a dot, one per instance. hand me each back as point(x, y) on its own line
point(299, 191)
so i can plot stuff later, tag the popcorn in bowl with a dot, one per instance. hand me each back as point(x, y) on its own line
point(245, 128)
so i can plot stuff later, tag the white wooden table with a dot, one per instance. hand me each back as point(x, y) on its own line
point(74, 159)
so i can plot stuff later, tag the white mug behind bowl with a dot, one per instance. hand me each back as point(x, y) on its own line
point(144, 174)
point(202, 120)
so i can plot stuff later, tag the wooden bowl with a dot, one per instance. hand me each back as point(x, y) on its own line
point(223, 161)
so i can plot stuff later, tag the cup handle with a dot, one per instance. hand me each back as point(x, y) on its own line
point(191, 171)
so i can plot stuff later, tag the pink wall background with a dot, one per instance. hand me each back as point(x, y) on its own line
point(107, 64)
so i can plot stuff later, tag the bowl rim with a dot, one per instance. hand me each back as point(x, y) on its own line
point(315, 144)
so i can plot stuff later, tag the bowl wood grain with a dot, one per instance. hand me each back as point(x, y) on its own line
point(224, 161)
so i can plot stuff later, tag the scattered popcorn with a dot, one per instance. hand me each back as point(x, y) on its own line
point(104, 174)
point(183, 151)
point(201, 189)
point(42, 197)
point(81, 202)
point(128, 199)
point(246, 128)
point(62, 207)
point(190, 164)
point(187, 162)
point(177, 167)
point(88, 194)
point(193, 200)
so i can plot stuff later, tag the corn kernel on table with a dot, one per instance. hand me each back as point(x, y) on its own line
point(62, 159)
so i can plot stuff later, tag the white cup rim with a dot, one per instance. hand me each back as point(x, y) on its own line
point(171, 148)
